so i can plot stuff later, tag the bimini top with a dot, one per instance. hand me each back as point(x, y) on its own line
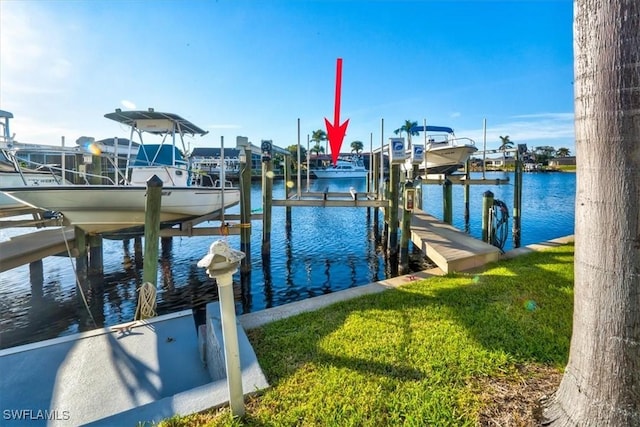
point(156, 122)
point(432, 129)
point(6, 114)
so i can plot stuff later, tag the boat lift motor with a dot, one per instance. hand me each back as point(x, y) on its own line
point(409, 196)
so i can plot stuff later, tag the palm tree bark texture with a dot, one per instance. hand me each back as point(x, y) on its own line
point(601, 383)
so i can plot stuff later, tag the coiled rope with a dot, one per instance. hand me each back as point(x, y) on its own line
point(499, 220)
point(146, 302)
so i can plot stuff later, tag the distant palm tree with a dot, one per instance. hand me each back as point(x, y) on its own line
point(563, 152)
point(318, 136)
point(506, 144)
point(357, 146)
point(408, 127)
point(317, 149)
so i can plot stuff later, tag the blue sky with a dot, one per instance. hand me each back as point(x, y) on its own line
point(253, 68)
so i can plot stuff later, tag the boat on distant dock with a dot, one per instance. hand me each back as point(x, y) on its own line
point(351, 168)
point(13, 174)
point(444, 152)
point(104, 208)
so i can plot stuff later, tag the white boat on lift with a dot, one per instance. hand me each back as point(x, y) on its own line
point(444, 153)
point(105, 208)
point(353, 168)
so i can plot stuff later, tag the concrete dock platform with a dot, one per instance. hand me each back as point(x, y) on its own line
point(449, 248)
point(120, 375)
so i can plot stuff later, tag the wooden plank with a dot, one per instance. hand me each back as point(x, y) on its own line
point(449, 248)
point(35, 246)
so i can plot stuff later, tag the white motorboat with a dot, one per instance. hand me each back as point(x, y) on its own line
point(12, 174)
point(104, 208)
point(444, 153)
point(353, 168)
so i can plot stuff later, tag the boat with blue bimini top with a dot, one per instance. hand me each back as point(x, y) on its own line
point(444, 153)
point(105, 208)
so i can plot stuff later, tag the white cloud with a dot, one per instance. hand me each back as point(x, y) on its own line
point(128, 104)
point(455, 114)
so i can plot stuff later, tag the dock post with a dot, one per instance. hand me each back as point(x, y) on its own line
point(81, 257)
point(96, 262)
point(405, 231)
point(517, 197)
point(375, 181)
point(245, 202)
point(267, 197)
point(387, 209)
point(152, 230)
point(96, 170)
point(447, 201)
point(392, 246)
point(36, 277)
point(288, 184)
point(137, 251)
point(487, 205)
point(417, 183)
point(467, 178)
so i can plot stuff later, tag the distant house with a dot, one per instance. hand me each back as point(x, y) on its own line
point(563, 161)
point(499, 162)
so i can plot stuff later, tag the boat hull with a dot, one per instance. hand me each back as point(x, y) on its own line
point(331, 174)
point(99, 209)
point(14, 179)
point(444, 160)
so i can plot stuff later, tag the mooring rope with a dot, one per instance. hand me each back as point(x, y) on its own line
point(146, 302)
point(75, 274)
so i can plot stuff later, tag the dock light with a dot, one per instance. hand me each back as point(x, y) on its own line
point(221, 263)
point(409, 196)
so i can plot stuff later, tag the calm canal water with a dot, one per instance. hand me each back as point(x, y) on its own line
point(327, 249)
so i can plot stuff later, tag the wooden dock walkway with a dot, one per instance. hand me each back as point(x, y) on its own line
point(449, 248)
point(35, 246)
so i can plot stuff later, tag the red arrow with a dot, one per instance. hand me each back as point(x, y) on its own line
point(336, 131)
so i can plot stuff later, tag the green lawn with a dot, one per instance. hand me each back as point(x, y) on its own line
point(445, 351)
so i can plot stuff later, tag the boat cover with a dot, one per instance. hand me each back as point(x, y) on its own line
point(432, 129)
point(130, 118)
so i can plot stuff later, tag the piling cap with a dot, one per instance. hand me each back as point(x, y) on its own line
point(221, 258)
point(154, 181)
point(487, 194)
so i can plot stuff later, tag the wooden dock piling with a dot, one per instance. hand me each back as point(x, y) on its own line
point(267, 198)
point(487, 206)
point(245, 202)
point(392, 245)
point(447, 201)
point(152, 230)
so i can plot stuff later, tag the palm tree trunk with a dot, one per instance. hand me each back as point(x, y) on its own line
point(601, 383)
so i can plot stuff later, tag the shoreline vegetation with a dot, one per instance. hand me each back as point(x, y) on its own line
point(464, 349)
point(543, 169)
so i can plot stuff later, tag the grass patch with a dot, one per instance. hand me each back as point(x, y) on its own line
point(457, 350)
